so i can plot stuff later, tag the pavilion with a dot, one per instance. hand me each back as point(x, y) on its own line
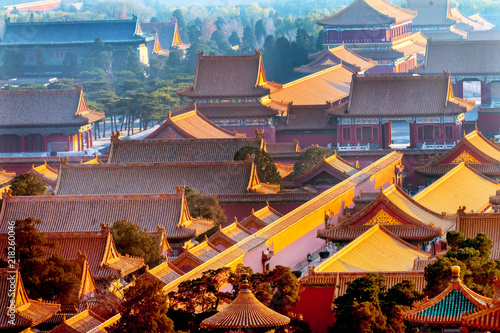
point(378, 30)
point(245, 313)
point(50, 120)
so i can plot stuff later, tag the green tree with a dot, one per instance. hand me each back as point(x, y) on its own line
point(266, 169)
point(249, 39)
point(181, 24)
point(472, 255)
point(204, 206)
point(145, 309)
point(54, 278)
point(40, 60)
point(62, 84)
point(130, 239)
point(13, 62)
point(28, 184)
point(310, 158)
point(234, 39)
point(260, 30)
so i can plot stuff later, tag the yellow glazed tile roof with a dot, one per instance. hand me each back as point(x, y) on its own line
point(416, 210)
point(462, 186)
point(374, 251)
point(483, 145)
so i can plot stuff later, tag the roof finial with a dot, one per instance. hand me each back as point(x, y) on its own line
point(335, 152)
point(357, 165)
point(382, 189)
point(267, 204)
point(253, 211)
point(169, 114)
point(244, 284)
point(455, 273)
point(235, 219)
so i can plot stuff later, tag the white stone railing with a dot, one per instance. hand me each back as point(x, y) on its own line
point(353, 147)
point(438, 145)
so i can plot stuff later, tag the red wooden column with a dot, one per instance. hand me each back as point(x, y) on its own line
point(87, 139)
point(45, 142)
point(22, 143)
point(79, 136)
point(69, 142)
point(91, 138)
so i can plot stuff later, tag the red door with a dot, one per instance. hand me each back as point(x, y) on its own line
point(386, 135)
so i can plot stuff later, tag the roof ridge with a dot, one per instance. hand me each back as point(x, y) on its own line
point(95, 197)
point(8, 22)
point(154, 164)
point(315, 74)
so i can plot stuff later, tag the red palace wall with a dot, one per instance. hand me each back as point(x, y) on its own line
point(488, 123)
point(308, 139)
point(240, 211)
point(315, 305)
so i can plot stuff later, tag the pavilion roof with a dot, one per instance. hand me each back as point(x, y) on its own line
point(415, 44)
point(228, 76)
point(287, 222)
point(472, 224)
point(339, 55)
point(433, 13)
point(266, 214)
point(168, 33)
point(460, 57)
point(84, 322)
point(71, 213)
point(462, 186)
point(402, 96)
point(29, 312)
point(386, 213)
point(71, 32)
point(165, 273)
point(486, 25)
point(474, 149)
point(414, 209)
point(306, 117)
point(212, 178)
point(489, 318)
point(95, 160)
point(377, 249)
point(369, 13)
point(45, 173)
point(45, 108)
point(334, 164)
point(284, 169)
point(191, 125)
point(464, 21)
point(449, 307)
point(330, 84)
point(246, 311)
point(99, 249)
point(187, 150)
point(6, 177)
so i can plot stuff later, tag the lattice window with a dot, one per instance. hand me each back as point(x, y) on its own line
point(382, 217)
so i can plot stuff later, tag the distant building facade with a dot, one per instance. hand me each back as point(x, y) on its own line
point(46, 121)
point(58, 39)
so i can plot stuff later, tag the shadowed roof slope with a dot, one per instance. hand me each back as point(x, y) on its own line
point(336, 56)
point(462, 186)
point(306, 117)
point(28, 312)
point(236, 110)
point(228, 76)
point(461, 57)
point(430, 13)
point(84, 322)
point(211, 178)
point(336, 164)
point(88, 213)
point(187, 150)
point(71, 32)
point(375, 250)
point(368, 13)
point(246, 311)
point(191, 125)
point(403, 95)
point(168, 34)
point(45, 107)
